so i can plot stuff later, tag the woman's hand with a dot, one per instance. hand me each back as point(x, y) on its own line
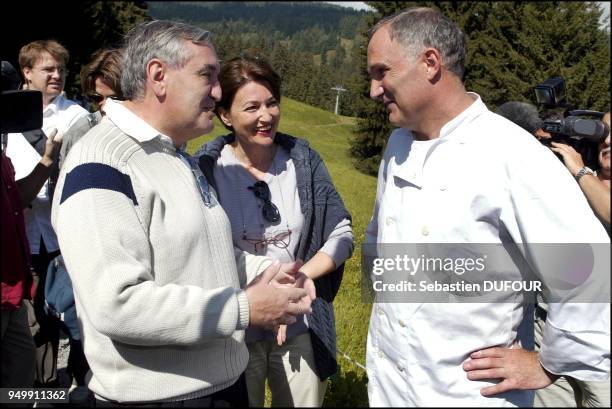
point(572, 159)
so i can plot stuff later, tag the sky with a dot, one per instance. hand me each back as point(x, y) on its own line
point(358, 5)
point(606, 7)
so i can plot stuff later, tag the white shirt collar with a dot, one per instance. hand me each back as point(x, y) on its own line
point(470, 113)
point(131, 124)
point(55, 105)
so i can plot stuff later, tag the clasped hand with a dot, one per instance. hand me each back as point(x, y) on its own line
point(278, 295)
point(293, 277)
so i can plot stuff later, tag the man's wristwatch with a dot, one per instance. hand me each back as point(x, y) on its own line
point(585, 170)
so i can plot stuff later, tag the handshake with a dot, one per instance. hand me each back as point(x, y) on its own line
point(278, 295)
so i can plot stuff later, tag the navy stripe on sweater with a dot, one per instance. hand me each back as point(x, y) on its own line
point(97, 176)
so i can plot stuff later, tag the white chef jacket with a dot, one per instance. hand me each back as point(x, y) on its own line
point(61, 113)
point(483, 179)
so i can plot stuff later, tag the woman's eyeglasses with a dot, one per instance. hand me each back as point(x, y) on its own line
point(50, 70)
point(269, 210)
point(280, 240)
point(97, 98)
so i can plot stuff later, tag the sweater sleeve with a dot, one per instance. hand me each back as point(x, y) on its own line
point(339, 245)
point(249, 266)
point(109, 258)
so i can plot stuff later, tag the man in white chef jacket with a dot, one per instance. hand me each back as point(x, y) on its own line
point(454, 172)
point(43, 65)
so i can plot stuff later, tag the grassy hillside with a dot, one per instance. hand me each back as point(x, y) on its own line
point(329, 135)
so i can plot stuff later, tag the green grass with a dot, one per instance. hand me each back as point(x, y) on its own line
point(329, 135)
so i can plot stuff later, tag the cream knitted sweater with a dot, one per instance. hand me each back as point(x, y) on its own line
point(154, 270)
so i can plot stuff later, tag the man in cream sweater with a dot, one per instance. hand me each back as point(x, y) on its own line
point(149, 250)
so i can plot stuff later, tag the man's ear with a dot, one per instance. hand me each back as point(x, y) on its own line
point(224, 115)
point(157, 76)
point(433, 62)
point(27, 75)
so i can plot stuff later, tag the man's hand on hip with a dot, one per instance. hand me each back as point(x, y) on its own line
point(517, 368)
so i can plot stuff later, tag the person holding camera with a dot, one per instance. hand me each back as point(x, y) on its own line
point(594, 185)
point(17, 345)
point(18, 350)
point(43, 66)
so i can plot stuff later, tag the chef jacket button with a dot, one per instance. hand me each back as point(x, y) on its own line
point(388, 220)
point(381, 354)
point(400, 367)
point(425, 231)
point(402, 323)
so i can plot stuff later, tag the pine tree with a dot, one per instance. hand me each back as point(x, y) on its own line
point(280, 61)
point(110, 20)
point(82, 28)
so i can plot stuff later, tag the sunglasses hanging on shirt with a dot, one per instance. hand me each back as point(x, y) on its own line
point(269, 210)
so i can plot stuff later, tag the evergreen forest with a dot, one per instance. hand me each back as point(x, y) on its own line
point(314, 46)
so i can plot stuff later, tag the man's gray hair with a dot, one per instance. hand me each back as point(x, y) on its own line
point(420, 27)
point(161, 39)
point(523, 114)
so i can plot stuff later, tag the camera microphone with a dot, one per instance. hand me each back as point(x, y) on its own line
point(523, 114)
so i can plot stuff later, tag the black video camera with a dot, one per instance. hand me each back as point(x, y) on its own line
point(581, 129)
point(20, 111)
